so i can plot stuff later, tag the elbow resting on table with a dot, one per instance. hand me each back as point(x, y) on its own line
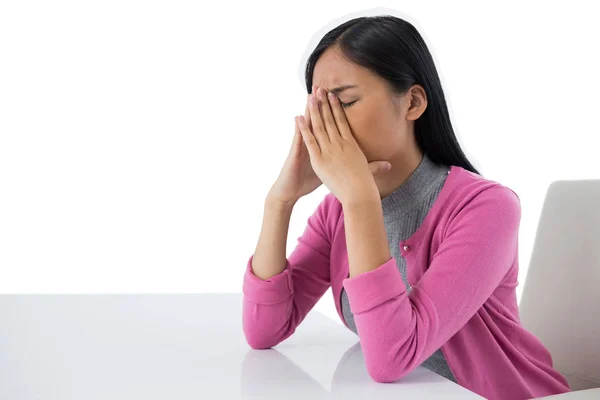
point(382, 369)
point(258, 344)
point(260, 339)
point(384, 374)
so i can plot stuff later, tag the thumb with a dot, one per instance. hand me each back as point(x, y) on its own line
point(377, 167)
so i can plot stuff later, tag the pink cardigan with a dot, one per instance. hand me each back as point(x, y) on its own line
point(462, 264)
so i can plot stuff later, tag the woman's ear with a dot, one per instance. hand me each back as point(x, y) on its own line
point(417, 102)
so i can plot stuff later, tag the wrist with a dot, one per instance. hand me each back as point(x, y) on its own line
point(278, 204)
point(361, 199)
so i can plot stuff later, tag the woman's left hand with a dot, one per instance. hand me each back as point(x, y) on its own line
point(334, 153)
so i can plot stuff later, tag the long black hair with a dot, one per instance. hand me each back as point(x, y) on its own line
point(394, 50)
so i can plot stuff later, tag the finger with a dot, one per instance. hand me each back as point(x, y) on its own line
point(308, 108)
point(297, 141)
point(378, 167)
point(307, 114)
point(339, 116)
point(309, 140)
point(328, 119)
point(317, 123)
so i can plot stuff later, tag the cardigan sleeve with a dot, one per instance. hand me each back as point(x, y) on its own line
point(398, 331)
point(272, 309)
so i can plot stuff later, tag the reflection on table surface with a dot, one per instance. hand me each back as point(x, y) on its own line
point(184, 346)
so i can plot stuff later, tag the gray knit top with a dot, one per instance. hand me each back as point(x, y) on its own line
point(403, 212)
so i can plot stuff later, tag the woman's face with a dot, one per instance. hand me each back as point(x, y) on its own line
point(383, 132)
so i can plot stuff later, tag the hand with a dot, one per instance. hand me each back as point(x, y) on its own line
point(297, 177)
point(334, 153)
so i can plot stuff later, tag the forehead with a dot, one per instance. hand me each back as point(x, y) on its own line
point(333, 70)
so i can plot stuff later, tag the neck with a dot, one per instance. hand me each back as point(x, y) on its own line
point(403, 166)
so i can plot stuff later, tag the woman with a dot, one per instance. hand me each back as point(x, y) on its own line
point(421, 251)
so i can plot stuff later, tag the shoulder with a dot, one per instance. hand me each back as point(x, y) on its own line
point(473, 195)
point(469, 185)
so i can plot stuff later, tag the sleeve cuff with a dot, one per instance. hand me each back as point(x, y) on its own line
point(271, 291)
point(372, 288)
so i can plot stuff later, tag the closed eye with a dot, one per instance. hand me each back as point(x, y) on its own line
point(346, 105)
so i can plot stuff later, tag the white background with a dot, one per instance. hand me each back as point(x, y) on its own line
point(139, 139)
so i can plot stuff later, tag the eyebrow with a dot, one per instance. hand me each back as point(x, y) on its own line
point(340, 89)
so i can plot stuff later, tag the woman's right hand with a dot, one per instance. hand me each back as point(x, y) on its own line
point(297, 177)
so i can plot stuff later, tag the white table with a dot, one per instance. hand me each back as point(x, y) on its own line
point(181, 346)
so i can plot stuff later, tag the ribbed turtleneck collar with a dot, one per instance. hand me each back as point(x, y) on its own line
point(411, 193)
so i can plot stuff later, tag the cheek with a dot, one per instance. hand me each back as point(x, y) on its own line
point(377, 140)
point(370, 131)
point(376, 129)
